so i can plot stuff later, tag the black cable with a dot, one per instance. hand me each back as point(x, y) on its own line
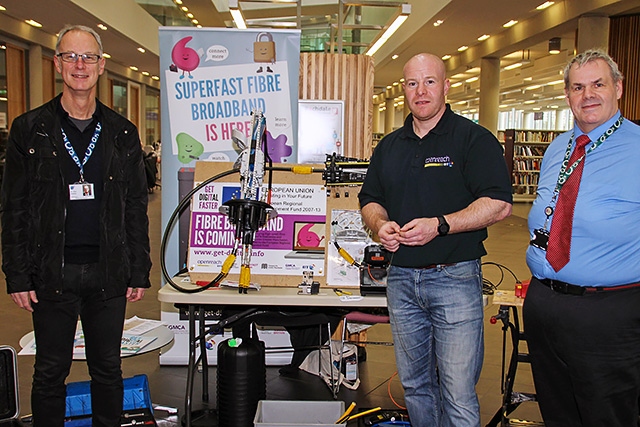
point(488, 287)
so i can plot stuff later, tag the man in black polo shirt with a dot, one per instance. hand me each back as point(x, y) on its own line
point(432, 189)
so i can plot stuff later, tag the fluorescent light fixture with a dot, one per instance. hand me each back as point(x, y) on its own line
point(536, 108)
point(236, 13)
point(483, 37)
point(510, 23)
point(513, 66)
point(533, 87)
point(445, 57)
point(545, 5)
point(141, 50)
point(456, 84)
point(463, 48)
point(502, 106)
point(530, 101)
point(461, 103)
point(405, 10)
point(33, 23)
point(102, 27)
point(472, 79)
point(556, 82)
point(553, 106)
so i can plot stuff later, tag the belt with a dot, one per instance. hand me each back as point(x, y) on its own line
point(432, 266)
point(569, 289)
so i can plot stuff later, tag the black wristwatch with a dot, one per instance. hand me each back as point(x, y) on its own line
point(443, 226)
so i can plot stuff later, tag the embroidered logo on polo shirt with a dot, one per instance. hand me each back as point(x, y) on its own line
point(445, 161)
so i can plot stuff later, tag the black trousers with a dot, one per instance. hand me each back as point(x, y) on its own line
point(585, 356)
point(54, 324)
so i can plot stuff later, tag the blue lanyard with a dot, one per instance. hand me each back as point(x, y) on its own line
point(87, 153)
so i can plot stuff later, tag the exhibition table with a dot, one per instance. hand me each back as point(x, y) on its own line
point(277, 298)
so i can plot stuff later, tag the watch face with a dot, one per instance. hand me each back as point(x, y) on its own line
point(443, 227)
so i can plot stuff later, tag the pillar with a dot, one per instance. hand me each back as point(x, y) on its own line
point(593, 32)
point(36, 88)
point(389, 116)
point(489, 93)
point(375, 123)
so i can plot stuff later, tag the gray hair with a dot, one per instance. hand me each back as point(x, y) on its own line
point(83, 28)
point(590, 56)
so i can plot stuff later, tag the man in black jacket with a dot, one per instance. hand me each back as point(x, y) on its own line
point(75, 230)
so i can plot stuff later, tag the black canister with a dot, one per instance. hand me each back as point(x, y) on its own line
point(242, 381)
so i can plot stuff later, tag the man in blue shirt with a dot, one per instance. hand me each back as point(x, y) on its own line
point(582, 321)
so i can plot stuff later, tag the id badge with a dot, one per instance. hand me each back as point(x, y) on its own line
point(540, 239)
point(81, 191)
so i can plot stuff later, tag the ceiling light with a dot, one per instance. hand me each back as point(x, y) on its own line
point(510, 23)
point(405, 10)
point(445, 57)
point(102, 27)
point(555, 82)
point(190, 15)
point(483, 37)
point(472, 79)
point(155, 77)
point(473, 70)
point(530, 101)
point(178, 1)
point(463, 48)
point(394, 56)
point(141, 50)
point(395, 83)
point(185, 9)
point(456, 84)
point(389, 87)
point(536, 108)
point(2, 8)
point(554, 45)
point(461, 103)
point(198, 26)
point(560, 97)
point(236, 13)
point(533, 87)
point(145, 73)
point(502, 106)
point(33, 23)
point(527, 79)
point(513, 66)
point(133, 67)
point(438, 22)
point(195, 21)
point(106, 55)
point(545, 5)
point(553, 106)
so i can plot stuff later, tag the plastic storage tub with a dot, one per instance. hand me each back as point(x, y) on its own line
point(298, 413)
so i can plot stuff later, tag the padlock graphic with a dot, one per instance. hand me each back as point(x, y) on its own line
point(264, 49)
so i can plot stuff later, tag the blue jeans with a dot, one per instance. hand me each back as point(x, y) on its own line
point(437, 326)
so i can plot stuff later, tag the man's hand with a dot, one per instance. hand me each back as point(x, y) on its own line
point(418, 232)
point(388, 234)
point(135, 294)
point(24, 299)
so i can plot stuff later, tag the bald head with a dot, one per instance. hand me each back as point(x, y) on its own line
point(425, 60)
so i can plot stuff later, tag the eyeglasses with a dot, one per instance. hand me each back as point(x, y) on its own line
point(87, 58)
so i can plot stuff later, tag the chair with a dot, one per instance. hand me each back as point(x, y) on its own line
point(359, 317)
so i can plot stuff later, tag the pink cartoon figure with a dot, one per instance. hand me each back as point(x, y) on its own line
point(308, 238)
point(185, 58)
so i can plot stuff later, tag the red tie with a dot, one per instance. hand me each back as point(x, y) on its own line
point(559, 246)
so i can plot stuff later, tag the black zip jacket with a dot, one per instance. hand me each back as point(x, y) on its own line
point(34, 199)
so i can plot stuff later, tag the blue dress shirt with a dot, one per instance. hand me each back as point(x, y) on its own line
point(605, 245)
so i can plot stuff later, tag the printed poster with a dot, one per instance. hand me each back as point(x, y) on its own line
point(292, 242)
